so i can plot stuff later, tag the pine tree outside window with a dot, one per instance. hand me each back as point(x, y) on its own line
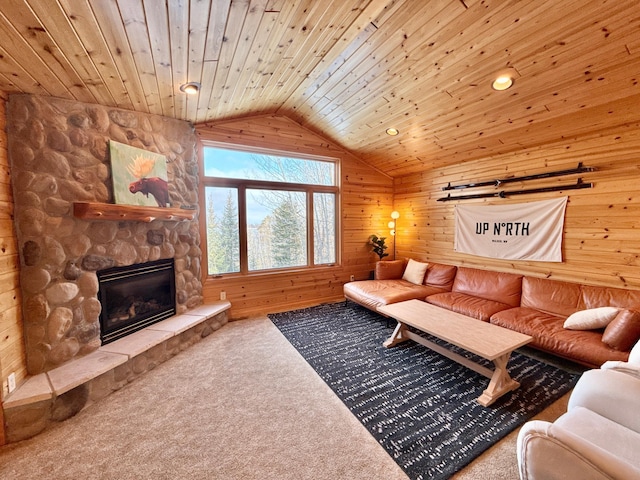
point(265, 211)
point(222, 230)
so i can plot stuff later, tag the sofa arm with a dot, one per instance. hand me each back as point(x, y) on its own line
point(548, 452)
point(609, 393)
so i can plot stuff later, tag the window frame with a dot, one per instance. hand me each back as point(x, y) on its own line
point(243, 185)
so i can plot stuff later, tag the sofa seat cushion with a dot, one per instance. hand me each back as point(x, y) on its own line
point(374, 293)
point(583, 346)
point(469, 305)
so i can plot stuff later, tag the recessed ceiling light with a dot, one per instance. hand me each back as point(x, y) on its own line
point(502, 82)
point(392, 131)
point(190, 88)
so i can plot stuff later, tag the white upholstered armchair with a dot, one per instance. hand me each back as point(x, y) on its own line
point(598, 437)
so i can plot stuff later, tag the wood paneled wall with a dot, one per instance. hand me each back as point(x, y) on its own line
point(602, 224)
point(12, 353)
point(366, 206)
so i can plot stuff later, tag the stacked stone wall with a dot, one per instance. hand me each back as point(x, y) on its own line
point(59, 153)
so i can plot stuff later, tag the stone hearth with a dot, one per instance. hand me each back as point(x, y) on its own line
point(54, 396)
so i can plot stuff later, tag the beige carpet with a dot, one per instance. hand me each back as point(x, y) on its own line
point(241, 404)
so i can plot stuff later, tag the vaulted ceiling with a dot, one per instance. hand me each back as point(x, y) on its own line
point(347, 69)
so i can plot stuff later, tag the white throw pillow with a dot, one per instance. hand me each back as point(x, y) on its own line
point(591, 319)
point(414, 272)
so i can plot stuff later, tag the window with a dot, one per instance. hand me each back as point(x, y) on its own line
point(265, 211)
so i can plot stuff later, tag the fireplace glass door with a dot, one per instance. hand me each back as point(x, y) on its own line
point(135, 296)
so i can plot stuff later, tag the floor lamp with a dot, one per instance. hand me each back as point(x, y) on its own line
point(392, 225)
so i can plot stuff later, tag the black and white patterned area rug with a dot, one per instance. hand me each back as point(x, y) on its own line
point(418, 404)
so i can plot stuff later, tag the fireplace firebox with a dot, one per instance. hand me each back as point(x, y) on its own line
point(135, 296)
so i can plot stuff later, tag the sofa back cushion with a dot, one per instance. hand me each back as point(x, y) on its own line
point(440, 275)
point(497, 286)
point(593, 297)
point(390, 269)
point(550, 296)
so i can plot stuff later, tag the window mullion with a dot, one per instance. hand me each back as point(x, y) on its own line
point(242, 227)
point(310, 230)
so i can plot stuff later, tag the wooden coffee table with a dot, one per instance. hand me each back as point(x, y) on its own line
point(484, 339)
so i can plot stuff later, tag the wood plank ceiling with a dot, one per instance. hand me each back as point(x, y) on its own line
point(347, 69)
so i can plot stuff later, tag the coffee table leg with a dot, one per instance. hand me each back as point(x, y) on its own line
point(397, 336)
point(500, 383)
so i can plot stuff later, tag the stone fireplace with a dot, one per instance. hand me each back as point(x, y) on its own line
point(59, 155)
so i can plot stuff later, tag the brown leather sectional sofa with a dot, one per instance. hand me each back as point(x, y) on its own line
point(530, 305)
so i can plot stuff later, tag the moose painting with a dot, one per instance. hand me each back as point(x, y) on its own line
point(140, 168)
point(139, 176)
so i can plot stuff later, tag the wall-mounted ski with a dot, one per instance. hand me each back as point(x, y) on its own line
point(498, 182)
point(502, 194)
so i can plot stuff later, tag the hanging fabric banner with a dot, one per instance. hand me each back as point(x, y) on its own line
point(522, 231)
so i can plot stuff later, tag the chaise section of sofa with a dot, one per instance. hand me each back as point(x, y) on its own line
point(546, 304)
point(389, 287)
point(480, 293)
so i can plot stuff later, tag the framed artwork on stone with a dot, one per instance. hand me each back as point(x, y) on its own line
point(139, 176)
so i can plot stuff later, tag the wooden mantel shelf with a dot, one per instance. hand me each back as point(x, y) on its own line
point(131, 213)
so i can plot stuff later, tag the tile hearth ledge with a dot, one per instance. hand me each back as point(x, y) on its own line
point(64, 378)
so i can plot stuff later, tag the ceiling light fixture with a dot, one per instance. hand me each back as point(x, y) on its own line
point(392, 131)
point(502, 82)
point(190, 88)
